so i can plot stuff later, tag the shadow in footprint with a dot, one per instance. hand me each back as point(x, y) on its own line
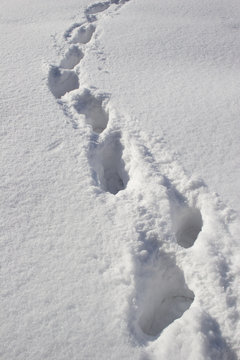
point(92, 108)
point(187, 221)
point(163, 294)
point(61, 82)
point(72, 57)
point(187, 225)
point(69, 31)
point(109, 165)
point(98, 7)
point(82, 34)
point(214, 344)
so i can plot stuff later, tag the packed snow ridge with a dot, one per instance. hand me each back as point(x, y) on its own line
point(170, 217)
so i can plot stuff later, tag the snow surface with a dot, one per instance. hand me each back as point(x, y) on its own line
point(112, 245)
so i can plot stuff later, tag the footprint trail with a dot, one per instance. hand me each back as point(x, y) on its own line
point(168, 219)
point(65, 78)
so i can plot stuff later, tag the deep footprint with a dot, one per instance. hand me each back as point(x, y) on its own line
point(187, 221)
point(72, 58)
point(92, 108)
point(165, 296)
point(82, 34)
point(109, 165)
point(61, 82)
point(188, 224)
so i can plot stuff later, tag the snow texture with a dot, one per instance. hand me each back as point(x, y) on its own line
point(110, 249)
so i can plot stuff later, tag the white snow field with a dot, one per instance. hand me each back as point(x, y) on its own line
point(120, 180)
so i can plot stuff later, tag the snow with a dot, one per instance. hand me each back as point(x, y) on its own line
point(120, 191)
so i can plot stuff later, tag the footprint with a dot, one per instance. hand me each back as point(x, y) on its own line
point(215, 345)
point(96, 8)
point(82, 34)
point(72, 57)
point(92, 108)
point(109, 165)
point(187, 221)
point(69, 31)
point(165, 295)
point(188, 224)
point(61, 81)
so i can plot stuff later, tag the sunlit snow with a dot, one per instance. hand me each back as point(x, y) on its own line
point(120, 180)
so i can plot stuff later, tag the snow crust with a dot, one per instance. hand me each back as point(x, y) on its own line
point(112, 245)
